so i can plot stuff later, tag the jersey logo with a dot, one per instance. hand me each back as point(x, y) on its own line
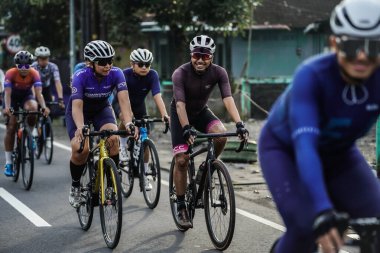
point(372, 107)
point(208, 86)
point(354, 94)
point(74, 90)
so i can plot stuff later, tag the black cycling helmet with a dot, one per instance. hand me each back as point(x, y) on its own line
point(98, 49)
point(23, 57)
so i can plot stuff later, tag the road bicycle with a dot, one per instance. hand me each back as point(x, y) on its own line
point(23, 151)
point(143, 163)
point(214, 192)
point(45, 138)
point(100, 186)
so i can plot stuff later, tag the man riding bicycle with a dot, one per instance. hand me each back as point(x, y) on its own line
point(140, 80)
point(193, 83)
point(47, 71)
point(91, 89)
point(307, 147)
point(18, 93)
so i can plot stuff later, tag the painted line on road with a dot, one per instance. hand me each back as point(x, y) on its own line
point(23, 209)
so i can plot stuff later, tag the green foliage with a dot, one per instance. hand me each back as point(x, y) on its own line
point(38, 22)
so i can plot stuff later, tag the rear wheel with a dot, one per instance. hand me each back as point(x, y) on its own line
point(86, 209)
point(48, 141)
point(27, 159)
point(39, 142)
point(126, 177)
point(110, 204)
point(220, 211)
point(190, 190)
point(150, 172)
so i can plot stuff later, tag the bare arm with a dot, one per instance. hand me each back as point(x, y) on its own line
point(125, 106)
point(229, 103)
point(160, 104)
point(77, 112)
point(7, 100)
point(182, 114)
point(58, 87)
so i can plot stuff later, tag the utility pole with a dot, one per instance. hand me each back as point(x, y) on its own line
point(72, 37)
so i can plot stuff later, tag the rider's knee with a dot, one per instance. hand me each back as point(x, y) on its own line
point(182, 161)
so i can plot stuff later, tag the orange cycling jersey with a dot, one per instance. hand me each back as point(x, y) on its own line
point(14, 80)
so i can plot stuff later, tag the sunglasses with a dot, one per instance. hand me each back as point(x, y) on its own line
point(104, 62)
point(351, 47)
point(142, 64)
point(204, 57)
point(23, 66)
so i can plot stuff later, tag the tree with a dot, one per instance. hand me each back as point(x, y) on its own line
point(38, 23)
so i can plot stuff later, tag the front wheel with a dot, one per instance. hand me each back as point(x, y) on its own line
point(27, 159)
point(48, 141)
point(126, 177)
point(220, 210)
point(110, 204)
point(16, 157)
point(86, 209)
point(150, 173)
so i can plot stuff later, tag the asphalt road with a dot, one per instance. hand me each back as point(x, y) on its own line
point(47, 223)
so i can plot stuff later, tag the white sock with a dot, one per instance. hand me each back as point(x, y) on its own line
point(123, 142)
point(146, 167)
point(8, 157)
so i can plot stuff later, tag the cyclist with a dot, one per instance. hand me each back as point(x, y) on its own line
point(48, 70)
point(307, 147)
point(140, 80)
point(192, 86)
point(18, 93)
point(89, 102)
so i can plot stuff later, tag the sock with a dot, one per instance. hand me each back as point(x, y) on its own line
point(8, 157)
point(76, 173)
point(146, 167)
point(123, 142)
point(181, 202)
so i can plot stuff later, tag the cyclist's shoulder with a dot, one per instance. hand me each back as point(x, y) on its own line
point(34, 73)
point(183, 70)
point(319, 64)
point(53, 65)
point(12, 72)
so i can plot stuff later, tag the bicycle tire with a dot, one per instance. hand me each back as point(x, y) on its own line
point(27, 159)
point(113, 200)
point(126, 178)
point(221, 187)
point(39, 143)
point(48, 147)
point(16, 157)
point(190, 191)
point(86, 210)
point(153, 174)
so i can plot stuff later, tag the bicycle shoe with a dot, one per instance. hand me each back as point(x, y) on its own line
point(8, 170)
point(75, 197)
point(183, 218)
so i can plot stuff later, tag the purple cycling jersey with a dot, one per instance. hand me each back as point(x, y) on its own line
point(95, 93)
point(194, 89)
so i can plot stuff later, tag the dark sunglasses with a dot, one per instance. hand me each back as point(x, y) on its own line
point(104, 62)
point(352, 46)
point(204, 57)
point(23, 66)
point(142, 64)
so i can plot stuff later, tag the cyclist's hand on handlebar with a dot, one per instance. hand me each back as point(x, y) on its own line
point(61, 104)
point(189, 134)
point(242, 131)
point(326, 231)
point(132, 130)
point(79, 134)
point(7, 112)
point(45, 111)
point(166, 118)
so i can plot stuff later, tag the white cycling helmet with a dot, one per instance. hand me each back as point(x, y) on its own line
point(357, 18)
point(98, 49)
point(42, 52)
point(202, 41)
point(141, 55)
point(23, 57)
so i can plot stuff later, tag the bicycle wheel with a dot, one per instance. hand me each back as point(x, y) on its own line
point(48, 141)
point(27, 159)
point(110, 205)
point(39, 142)
point(151, 175)
point(126, 178)
point(16, 162)
point(190, 191)
point(86, 209)
point(220, 211)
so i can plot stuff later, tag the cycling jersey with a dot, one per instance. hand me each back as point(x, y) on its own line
point(46, 73)
point(138, 89)
point(307, 149)
point(195, 89)
point(94, 93)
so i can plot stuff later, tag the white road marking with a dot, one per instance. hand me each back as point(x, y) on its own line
point(23, 209)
